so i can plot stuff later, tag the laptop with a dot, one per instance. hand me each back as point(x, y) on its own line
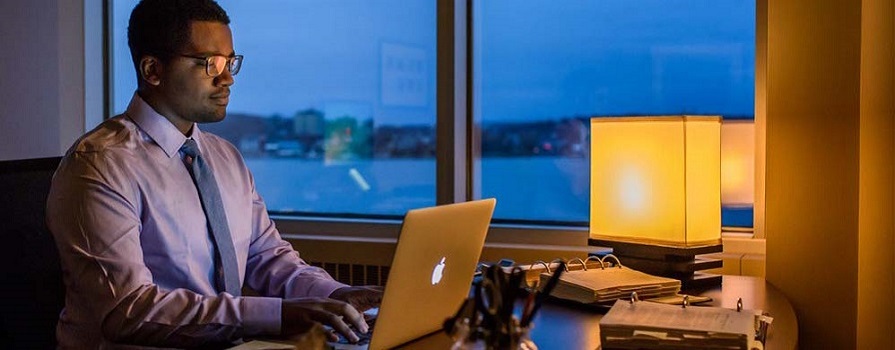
point(431, 273)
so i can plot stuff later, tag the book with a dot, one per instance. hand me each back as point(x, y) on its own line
point(605, 284)
point(644, 325)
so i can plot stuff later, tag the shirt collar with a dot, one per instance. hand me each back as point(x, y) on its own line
point(159, 128)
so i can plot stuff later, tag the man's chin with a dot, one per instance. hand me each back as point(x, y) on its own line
point(213, 118)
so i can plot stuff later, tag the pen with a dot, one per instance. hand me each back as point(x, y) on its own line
point(514, 280)
point(526, 308)
point(543, 293)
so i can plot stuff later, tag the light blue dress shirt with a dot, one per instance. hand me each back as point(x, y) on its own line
point(136, 253)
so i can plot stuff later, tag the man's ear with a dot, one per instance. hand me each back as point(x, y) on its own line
point(150, 70)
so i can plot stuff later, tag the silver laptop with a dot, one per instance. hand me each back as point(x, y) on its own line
point(431, 273)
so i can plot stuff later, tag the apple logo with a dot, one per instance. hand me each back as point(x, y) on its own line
point(438, 272)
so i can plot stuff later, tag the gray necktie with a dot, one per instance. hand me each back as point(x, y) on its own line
point(226, 268)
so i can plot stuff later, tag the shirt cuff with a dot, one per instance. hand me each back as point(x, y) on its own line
point(325, 288)
point(261, 315)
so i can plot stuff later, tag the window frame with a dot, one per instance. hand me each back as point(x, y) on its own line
point(456, 151)
point(456, 140)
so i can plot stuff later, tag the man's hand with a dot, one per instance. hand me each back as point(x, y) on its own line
point(361, 297)
point(300, 315)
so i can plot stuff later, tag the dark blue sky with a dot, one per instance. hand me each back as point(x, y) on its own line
point(534, 59)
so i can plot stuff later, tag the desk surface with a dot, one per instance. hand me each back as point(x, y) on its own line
point(561, 326)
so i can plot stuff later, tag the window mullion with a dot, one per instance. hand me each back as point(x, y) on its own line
point(452, 126)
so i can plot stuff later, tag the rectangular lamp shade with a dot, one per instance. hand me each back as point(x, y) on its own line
point(656, 180)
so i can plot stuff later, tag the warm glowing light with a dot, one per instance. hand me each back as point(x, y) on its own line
point(738, 163)
point(656, 179)
point(632, 192)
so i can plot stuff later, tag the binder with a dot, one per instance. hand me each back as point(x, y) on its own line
point(534, 270)
point(644, 325)
point(601, 281)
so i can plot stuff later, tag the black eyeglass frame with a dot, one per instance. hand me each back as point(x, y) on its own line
point(233, 63)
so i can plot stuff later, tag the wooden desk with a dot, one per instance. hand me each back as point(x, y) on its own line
point(561, 326)
point(759, 294)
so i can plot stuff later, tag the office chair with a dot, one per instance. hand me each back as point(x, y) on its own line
point(31, 290)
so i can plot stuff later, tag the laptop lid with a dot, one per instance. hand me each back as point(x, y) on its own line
point(432, 270)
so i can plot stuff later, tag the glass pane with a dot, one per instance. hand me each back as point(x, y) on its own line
point(542, 69)
point(334, 107)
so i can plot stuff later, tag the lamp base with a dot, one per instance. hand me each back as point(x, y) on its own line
point(682, 263)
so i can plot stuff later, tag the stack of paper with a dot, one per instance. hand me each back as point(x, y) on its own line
point(645, 325)
point(602, 286)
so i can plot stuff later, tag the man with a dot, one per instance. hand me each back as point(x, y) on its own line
point(158, 224)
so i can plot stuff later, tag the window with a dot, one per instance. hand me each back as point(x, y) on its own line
point(335, 106)
point(542, 69)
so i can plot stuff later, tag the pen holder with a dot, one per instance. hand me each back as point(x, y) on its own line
point(467, 337)
point(488, 320)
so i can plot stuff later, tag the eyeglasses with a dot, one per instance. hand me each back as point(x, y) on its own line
point(214, 65)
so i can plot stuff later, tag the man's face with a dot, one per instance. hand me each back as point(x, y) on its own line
point(189, 93)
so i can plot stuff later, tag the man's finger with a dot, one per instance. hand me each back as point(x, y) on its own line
point(332, 336)
point(336, 323)
point(349, 314)
point(356, 318)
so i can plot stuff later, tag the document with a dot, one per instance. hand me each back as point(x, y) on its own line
point(645, 325)
point(603, 286)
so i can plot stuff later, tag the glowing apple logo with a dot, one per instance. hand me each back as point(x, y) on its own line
point(438, 272)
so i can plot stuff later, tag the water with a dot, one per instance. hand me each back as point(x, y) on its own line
point(529, 188)
point(539, 188)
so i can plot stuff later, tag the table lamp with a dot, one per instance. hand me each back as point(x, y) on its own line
point(656, 193)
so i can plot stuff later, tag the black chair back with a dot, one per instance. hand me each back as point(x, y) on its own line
point(31, 290)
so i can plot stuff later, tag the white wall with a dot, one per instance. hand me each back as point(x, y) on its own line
point(42, 75)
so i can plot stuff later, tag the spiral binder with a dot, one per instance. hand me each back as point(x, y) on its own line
point(632, 324)
point(534, 270)
point(601, 281)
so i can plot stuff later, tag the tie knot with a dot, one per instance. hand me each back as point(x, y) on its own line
point(190, 148)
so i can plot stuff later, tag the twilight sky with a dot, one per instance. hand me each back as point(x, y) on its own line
point(533, 59)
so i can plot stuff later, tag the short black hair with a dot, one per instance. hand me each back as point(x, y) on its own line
point(161, 28)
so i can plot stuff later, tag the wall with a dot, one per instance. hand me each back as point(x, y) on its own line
point(828, 182)
point(876, 223)
point(813, 90)
point(42, 76)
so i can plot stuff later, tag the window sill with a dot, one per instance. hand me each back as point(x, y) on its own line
point(388, 230)
point(735, 243)
point(329, 241)
point(549, 240)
